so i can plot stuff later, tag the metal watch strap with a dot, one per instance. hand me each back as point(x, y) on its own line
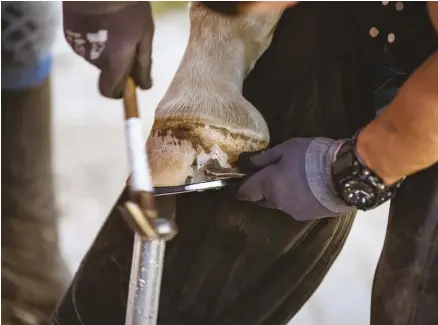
point(350, 173)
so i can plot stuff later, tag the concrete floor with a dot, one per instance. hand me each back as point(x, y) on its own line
point(91, 170)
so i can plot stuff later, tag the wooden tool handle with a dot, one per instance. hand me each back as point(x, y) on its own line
point(130, 99)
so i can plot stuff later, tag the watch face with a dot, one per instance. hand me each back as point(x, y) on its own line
point(358, 193)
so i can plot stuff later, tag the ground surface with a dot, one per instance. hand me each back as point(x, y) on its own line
point(91, 171)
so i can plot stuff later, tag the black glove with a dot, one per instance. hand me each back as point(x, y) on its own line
point(114, 36)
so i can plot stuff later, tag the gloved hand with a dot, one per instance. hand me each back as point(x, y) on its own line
point(114, 36)
point(295, 177)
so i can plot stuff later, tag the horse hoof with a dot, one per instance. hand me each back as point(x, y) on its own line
point(203, 114)
point(176, 147)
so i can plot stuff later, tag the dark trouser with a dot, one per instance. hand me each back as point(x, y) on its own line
point(405, 289)
point(34, 276)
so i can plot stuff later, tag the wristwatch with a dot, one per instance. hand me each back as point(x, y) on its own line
point(355, 183)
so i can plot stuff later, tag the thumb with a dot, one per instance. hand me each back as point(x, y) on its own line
point(260, 159)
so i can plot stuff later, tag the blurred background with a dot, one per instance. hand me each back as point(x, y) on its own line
point(91, 170)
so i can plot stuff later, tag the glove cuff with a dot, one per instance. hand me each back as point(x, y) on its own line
point(318, 164)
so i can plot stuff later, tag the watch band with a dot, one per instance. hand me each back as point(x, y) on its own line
point(355, 183)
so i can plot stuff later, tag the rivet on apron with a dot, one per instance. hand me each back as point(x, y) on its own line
point(391, 38)
point(373, 32)
point(385, 3)
point(399, 6)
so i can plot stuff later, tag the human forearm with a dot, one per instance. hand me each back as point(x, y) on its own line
point(404, 138)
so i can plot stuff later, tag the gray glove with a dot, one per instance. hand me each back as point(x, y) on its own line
point(295, 177)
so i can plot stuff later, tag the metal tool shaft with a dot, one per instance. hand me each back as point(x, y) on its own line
point(145, 282)
point(147, 257)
